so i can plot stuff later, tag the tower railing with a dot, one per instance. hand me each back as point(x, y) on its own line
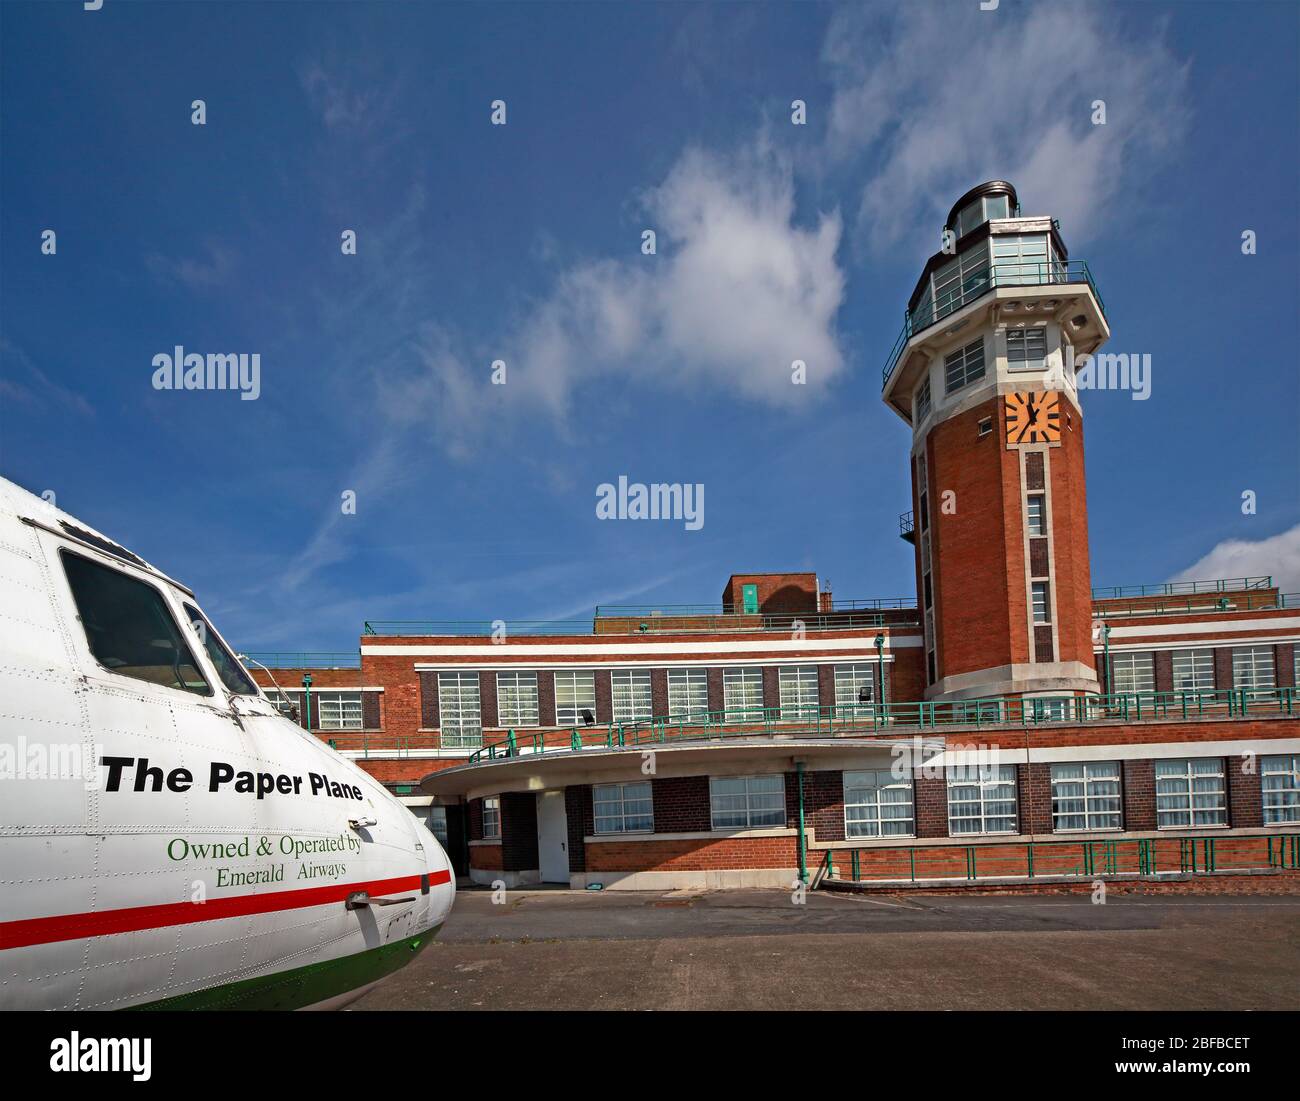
point(981, 282)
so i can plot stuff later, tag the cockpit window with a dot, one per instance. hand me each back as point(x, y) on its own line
point(129, 627)
point(232, 674)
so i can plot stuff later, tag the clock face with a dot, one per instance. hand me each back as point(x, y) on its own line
point(1033, 417)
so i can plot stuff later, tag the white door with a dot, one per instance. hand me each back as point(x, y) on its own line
point(552, 837)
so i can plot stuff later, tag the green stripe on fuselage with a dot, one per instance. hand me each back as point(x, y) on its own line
point(303, 986)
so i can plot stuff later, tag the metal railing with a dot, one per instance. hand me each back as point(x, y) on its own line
point(970, 860)
point(305, 659)
point(1179, 588)
point(896, 718)
point(980, 283)
point(1239, 603)
point(624, 611)
point(476, 626)
point(906, 523)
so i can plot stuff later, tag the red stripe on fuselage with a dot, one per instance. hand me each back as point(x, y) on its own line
point(47, 930)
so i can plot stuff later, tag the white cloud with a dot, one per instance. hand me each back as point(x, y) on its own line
point(933, 99)
point(1277, 556)
point(736, 293)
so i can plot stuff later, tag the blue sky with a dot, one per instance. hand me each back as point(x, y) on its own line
point(522, 243)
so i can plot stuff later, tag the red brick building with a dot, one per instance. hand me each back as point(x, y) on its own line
point(1009, 722)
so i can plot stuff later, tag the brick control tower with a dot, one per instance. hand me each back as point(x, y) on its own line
point(984, 373)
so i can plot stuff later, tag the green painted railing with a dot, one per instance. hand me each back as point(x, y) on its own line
point(304, 659)
point(1198, 606)
point(624, 611)
point(979, 283)
point(964, 858)
point(863, 719)
point(1180, 588)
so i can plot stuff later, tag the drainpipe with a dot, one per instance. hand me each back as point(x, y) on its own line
point(306, 699)
point(803, 855)
point(1105, 645)
point(880, 673)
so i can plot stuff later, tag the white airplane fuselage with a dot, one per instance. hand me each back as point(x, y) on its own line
point(167, 840)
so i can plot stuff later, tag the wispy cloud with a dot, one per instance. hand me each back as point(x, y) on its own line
point(1277, 556)
point(211, 269)
point(737, 292)
point(1004, 94)
point(23, 382)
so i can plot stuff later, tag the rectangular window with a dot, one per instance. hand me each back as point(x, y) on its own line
point(284, 702)
point(129, 628)
point(959, 281)
point(1086, 796)
point(1048, 709)
point(855, 690)
point(438, 825)
point(688, 694)
point(1036, 505)
point(1191, 792)
point(1252, 667)
point(491, 817)
point(1026, 348)
point(623, 808)
point(742, 695)
point(517, 700)
point(1193, 670)
point(981, 799)
point(747, 802)
point(1042, 608)
point(964, 366)
point(877, 804)
point(459, 716)
point(575, 692)
point(338, 710)
point(1133, 671)
point(1020, 260)
point(1280, 781)
point(923, 401)
point(631, 695)
point(798, 684)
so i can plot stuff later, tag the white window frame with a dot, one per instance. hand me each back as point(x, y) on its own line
point(1254, 668)
point(800, 693)
point(1036, 513)
point(964, 359)
point(848, 680)
point(460, 709)
point(1132, 672)
point(1279, 776)
point(1195, 666)
point(984, 788)
point(1041, 609)
point(742, 694)
point(1024, 354)
point(1102, 810)
point(631, 696)
point(1179, 785)
point(868, 794)
point(517, 700)
point(688, 694)
point(763, 798)
point(618, 801)
point(572, 684)
point(492, 814)
point(344, 707)
point(923, 400)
